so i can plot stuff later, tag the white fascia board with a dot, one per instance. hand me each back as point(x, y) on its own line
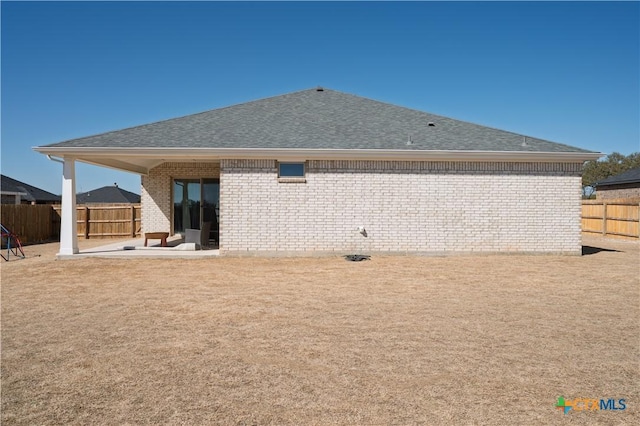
point(177, 154)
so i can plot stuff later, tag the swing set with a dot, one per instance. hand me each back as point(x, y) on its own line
point(11, 242)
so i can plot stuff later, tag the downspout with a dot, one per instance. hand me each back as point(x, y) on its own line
point(57, 160)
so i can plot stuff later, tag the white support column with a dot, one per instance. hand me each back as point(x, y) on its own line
point(68, 224)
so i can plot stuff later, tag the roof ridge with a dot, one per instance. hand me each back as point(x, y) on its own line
point(108, 187)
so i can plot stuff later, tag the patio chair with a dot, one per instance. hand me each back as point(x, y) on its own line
point(198, 236)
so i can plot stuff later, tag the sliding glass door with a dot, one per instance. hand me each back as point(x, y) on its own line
point(211, 205)
point(186, 204)
point(196, 201)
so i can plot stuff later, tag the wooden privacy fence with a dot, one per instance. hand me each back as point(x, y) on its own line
point(106, 220)
point(31, 223)
point(41, 222)
point(618, 218)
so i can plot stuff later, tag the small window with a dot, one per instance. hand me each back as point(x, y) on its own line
point(291, 172)
point(287, 170)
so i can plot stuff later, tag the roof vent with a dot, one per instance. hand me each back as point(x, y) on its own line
point(431, 124)
point(409, 141)
point(319, 89)
point(524, 141)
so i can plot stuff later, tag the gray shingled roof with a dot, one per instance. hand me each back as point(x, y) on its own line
point(313, 119)
point(33, 194)
point(108, 194)
point(630, 176)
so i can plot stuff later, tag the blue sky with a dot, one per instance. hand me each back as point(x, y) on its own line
point(567, 72)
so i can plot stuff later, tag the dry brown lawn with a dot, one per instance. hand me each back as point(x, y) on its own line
point(391, 341)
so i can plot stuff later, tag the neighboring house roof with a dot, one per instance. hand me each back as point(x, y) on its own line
point(318, 123)
point(630, 176)
point(108, 194)
point(26, 191)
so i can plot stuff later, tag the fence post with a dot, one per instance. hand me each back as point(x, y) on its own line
point(133, 221)
point(604, 218)
point(86, 222)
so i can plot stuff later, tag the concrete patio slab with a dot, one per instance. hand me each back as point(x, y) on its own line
point(135, 248)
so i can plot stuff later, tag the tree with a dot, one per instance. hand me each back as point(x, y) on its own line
point(611, 165)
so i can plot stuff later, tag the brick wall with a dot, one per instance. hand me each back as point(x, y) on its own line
point(630, 190)
point(156, 191)
point(404, 206)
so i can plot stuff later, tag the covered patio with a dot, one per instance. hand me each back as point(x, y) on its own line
point(162, 180)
